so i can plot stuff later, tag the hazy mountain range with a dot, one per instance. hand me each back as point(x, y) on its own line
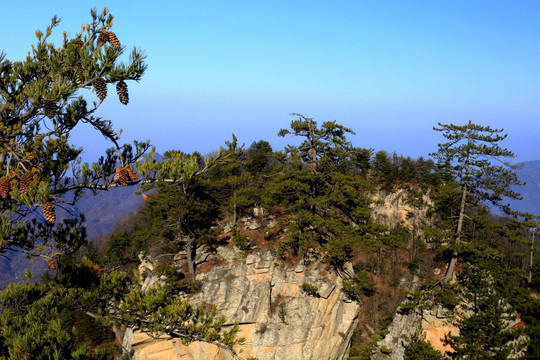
point(102, 212)
point(528, 172)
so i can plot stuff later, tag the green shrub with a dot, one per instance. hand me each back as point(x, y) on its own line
point(414, 265)
point(310, 289)
point(361, 285)
point(407, 306)
point(351, 290)
point(421, 350)
point(447, 297)
point(365, 283)
point(241, 241)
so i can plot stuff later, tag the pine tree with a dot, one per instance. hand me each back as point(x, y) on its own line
point(39, 108)
point(328, 141)
point(484, 330)
point(318, 177)
point(473, 158)
point(36, 158)
point(183, 171)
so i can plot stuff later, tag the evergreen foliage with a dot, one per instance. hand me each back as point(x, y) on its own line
point(41, 103)
point(320, 191)
point(421, 350)
point(484, 332)
point(468, 159)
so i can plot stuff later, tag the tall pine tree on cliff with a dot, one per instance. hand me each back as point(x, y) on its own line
point(479, 166)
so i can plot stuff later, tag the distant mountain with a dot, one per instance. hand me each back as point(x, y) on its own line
point(102, 212)
point(528, 172)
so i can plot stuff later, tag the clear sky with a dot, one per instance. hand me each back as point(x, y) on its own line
point(390, 70)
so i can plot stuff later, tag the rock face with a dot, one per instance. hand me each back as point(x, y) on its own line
point(407, 208)
point(402, 329)
point(433, 324)
point(278, 319)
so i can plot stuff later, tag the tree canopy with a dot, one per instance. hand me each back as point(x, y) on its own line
point(473, 158)
point(43, 98)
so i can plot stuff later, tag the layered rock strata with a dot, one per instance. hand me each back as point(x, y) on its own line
point(265, 296)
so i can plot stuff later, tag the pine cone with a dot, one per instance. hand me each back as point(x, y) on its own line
point(79, 73)
point(52, 264)
point(50, 108)
point(114, 40)
point(131, 174)
point(5, 186)
point(121, 175)
point(100, 87)
point(26, 179)
point(122, 91)
point(48, 212)
point(78, 42)
point(102, 38)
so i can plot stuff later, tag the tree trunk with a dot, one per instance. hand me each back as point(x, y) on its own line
point(312, 148)
point(453, 261)
point(190, 253)
point(313, 155)
point(531, 258)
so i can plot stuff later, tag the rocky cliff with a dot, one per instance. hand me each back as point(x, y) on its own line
point(431, 324)
point(408, 208)
point(265, 296)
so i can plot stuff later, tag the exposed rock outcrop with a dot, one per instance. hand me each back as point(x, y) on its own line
point(406, 207)
point(265, 296)
point(432, 324)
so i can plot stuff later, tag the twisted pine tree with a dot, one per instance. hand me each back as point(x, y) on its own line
point(329, 140)
point(473, 158)
point(41, 103)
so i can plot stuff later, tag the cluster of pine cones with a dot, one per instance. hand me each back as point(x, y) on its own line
point(24, 181)
point(108, 36)
point(100, 87)
point(124, 174)
point(98, 83)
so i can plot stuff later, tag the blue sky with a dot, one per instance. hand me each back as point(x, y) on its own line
point(390, 70)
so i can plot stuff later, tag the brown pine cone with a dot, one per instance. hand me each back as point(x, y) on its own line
point(49, 212)
point(121, 175)
point(5, 186)
point(131, 174)
point(50, 108)
point(100, 87)
point(52, 264)
point(78, 42)
point(122, 91)
point(79, 72)
point(103, 38)
point(114, 40)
